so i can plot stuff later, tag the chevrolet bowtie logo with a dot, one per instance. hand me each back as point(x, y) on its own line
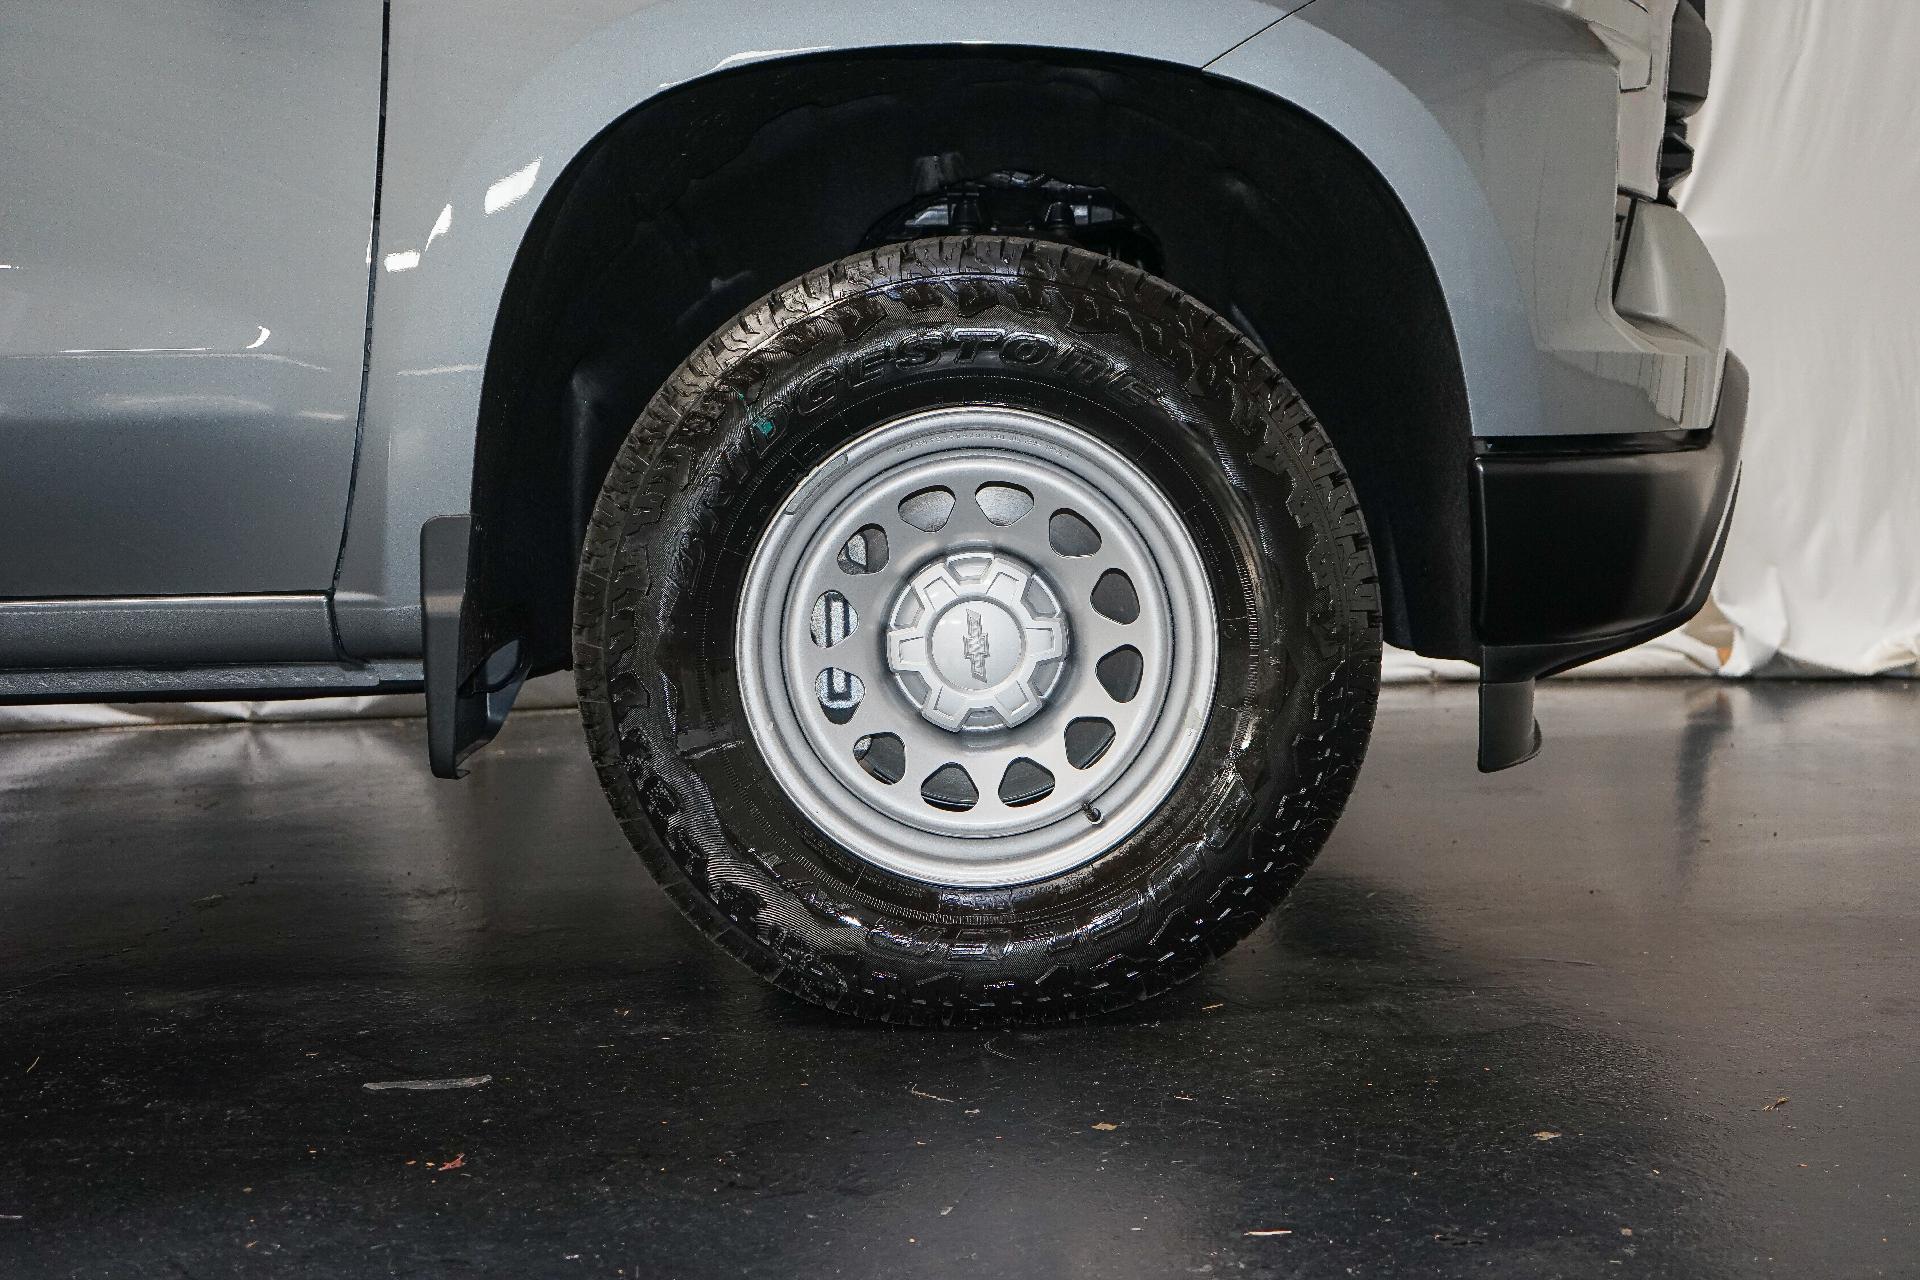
point(975, 648)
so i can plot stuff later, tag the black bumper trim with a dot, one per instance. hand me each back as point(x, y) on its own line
point(1581, 555)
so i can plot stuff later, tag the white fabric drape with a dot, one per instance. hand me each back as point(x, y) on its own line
point(1808, 192)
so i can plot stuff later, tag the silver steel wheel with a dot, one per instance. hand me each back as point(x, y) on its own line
point(977, 646)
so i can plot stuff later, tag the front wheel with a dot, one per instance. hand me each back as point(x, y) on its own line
point(977, 629)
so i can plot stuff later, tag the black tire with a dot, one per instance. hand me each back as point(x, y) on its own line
point(1171, 384)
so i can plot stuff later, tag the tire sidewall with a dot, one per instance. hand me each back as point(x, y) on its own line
point(1147, 372)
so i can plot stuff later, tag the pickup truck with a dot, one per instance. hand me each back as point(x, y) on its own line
point(969, 455)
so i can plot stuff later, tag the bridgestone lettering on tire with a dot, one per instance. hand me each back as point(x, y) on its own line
point(977, 629)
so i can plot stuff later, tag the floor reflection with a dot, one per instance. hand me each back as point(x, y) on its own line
point(1524, 1025)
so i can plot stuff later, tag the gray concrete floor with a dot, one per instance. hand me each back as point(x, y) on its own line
point(1531, 1025)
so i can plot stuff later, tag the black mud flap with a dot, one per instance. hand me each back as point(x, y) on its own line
point(1509, 733)
point(468, 695)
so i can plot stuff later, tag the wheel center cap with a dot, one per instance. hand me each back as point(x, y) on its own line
point(976, 644)
point(977, 640)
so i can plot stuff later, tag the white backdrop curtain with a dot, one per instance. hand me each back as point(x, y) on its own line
point(1808, 191)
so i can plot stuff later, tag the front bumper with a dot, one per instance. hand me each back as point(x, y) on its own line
point(1585, 546)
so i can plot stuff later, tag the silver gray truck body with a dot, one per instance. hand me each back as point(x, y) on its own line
point(253, 262)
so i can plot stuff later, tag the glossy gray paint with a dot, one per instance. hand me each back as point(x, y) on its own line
point(1668, 282)
point(188, 235)
point(485, 112)
point(186, 194)
point(1494, 121)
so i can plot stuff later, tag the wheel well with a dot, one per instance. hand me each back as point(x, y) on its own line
point(696, 203)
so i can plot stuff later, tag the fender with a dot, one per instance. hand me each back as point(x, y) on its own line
point(486, 110)
point(1496, 122)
